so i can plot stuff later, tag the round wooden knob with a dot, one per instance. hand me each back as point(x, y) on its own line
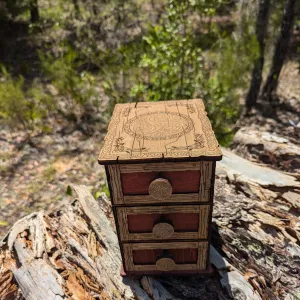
point(165, 264)
point(163, 230)
point(160, 189)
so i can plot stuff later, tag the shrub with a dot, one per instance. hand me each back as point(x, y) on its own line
point(20, 105)
point(78, 87)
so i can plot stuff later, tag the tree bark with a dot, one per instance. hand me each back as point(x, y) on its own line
point(281, 49)
point(267, 148)
point(261, 29)
point(34, 11)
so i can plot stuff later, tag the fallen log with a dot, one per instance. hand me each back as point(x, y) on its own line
point(74, 253)
point(267, 148)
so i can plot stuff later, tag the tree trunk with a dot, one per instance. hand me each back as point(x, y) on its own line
point(74, 253)
point(76, 7)
point(34, 11)
point(281, 49)
point(261, 28)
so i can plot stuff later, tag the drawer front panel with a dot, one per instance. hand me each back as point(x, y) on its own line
point(166, 257)
point(180, 256)
point(145, 184)
point(181, 181)
point(163, 222)
point(144, 223)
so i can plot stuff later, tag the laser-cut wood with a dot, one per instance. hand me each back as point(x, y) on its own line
point(160, 189)
point(172, 251)
point(165, 264)
point(182, 219)
point(176, 130)
point(159, 167)
point(163, 230)
point(160, 162)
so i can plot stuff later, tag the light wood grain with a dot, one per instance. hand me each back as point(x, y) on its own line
point(202, 255)
point(116, 185)
point(203, 221)
point(159, 167)
point(128, 257)
point(134, 237)
point(164, 245)
point(147, 199)
point(165, 209)
point(206, 168)
point(123, 223)
point(159, 131)
point(179, 267)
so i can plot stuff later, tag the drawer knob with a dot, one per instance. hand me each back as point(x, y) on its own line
point(160, 189)
point(163, 230)
point(165, 264)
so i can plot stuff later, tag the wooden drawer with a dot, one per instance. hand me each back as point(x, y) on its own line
point(163, 222)
point(138, 184)
point(165, 257)
point(160, 160)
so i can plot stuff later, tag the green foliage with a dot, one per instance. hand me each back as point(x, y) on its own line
point(172, 59)
point(20, 105)
point(174, 63)
point(69, 191)
point(3, 223)
point(104, 189)
point(175, 67)
point(64, 74)
point(232, 66)
point(147, 51)
point(56, 12)
point(13, 8)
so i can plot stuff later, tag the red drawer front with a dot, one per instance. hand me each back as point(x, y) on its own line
point(182, 222)
point(180, 256)
point(181, 181)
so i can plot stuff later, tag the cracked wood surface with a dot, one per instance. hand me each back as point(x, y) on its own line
point(256, 228)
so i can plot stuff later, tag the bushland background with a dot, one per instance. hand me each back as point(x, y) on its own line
point(64, 64)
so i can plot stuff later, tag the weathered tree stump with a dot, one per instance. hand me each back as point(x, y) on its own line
point(74, 253)
point(267, 148)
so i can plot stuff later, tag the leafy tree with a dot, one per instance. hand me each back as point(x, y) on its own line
point(175, 67)
point(229, 77)
point(13, 8)
point(171, 58)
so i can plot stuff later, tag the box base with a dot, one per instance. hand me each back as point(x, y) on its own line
point(137, 274)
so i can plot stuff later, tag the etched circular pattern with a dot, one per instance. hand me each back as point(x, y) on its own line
point(163, 230)
point(158, 126)
point(165, 264)
point(160, 189)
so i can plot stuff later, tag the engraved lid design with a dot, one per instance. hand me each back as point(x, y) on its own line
point(159, 131)
point(158, 126)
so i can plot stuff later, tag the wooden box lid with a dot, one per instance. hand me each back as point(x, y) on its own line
point(176, 130)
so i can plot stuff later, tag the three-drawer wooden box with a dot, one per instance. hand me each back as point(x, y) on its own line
point(160, 163)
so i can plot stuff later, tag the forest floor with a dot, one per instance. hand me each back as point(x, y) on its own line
point(36, 174)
